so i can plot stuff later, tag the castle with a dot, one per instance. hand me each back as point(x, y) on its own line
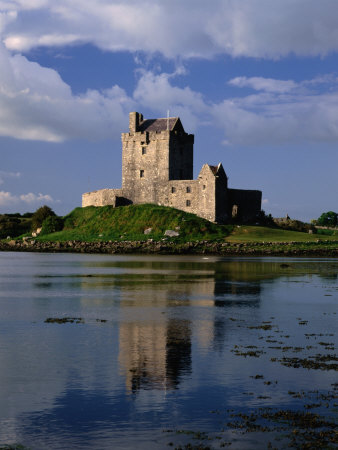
point(157, 167)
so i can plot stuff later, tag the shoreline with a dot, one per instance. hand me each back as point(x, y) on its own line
point(308, 248)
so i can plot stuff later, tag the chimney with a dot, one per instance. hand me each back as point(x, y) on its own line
point(134, 121)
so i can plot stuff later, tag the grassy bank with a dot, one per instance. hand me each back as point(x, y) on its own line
point(251, 233)
point(127, 224)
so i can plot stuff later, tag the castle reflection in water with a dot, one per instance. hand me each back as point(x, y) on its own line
point(165, 304)
point(155, 333)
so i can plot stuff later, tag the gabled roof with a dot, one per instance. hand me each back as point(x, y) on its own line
point(217, 171)
point(214, 169)
point(158, 124)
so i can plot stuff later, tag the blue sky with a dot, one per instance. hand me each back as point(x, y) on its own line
point(256, 81)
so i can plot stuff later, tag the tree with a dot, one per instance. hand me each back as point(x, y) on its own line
point(40, 215)
point(328, 219)
point(51, 225)
point(13, 226)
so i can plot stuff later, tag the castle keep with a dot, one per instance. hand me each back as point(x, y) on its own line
point(157, 167)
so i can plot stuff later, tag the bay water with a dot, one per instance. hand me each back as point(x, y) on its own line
point(138, 351)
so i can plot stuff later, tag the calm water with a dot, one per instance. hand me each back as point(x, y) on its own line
point(168, 346)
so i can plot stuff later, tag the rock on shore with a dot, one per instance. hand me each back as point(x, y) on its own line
point(311, 248)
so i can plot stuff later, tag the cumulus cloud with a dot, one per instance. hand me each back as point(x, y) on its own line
point(275, 117)
point(33, 198)
point(254, 28)
point(9, 199)
point(36, 104)
point(156, 91)
point(275, 113)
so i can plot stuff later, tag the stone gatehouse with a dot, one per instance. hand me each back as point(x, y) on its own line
point(157, 167)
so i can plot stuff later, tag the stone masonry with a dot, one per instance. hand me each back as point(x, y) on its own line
point(157, 167)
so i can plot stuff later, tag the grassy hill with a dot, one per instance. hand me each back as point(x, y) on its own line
point(129, 222)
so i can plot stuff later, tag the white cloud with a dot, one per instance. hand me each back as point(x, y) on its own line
point(254, 28)
point(36, 104)
point(276, 114)
point(8, 199)
point(264, 84)
point(158, 93)
point(33, 198)
point(4, 175)
point(275, 117)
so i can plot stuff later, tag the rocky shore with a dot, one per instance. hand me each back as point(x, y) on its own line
point(312, 248)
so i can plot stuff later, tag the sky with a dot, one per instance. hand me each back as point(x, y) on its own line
point(256, 82)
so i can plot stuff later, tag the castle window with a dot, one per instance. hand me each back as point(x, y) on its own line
point(173, 189)
point(188, 189)
point(187, 203)
point(203, 186)
point(144, 150)
point(141, 173)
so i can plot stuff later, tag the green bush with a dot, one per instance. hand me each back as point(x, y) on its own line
point(51, 224)
point(40, 215)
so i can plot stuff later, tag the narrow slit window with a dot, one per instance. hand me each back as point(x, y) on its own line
point(173, 189)
point(187, 203)
point(203, 186)
point(141, 173)
point(188, 190)
point(144, 150)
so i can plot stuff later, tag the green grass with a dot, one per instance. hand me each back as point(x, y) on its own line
point(250, 233)
point(129, 222)
point(328, 232)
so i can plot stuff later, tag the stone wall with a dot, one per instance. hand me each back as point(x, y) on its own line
point(145, 163)
point(104, 197)
point(183, 194)
point(248, 203)
point(206, 201)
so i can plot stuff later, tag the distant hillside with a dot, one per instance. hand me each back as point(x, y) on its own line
point(12, 225)
point(129, 223)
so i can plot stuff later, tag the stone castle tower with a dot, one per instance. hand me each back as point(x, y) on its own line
point(157, 167)
point(154, 152)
